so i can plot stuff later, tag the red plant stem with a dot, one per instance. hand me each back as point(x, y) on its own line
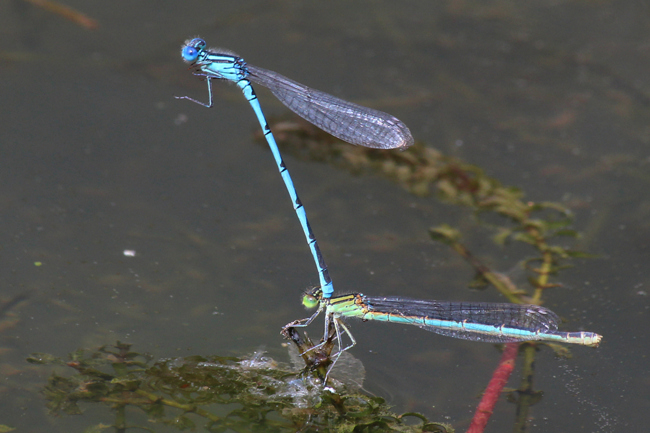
point(495, 387)
point(66, 12)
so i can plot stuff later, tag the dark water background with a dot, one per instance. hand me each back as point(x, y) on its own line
point(96, 157)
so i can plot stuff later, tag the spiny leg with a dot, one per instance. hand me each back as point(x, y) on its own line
point(329, 319)
point(208, 78)
point(338, 325)
point(302, 323)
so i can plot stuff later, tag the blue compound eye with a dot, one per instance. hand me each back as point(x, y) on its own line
point(191, 50)
point(189, 54)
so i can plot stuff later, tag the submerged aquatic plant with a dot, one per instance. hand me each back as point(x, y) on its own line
point(217, 393)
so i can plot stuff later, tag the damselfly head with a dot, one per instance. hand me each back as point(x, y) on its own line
point(191, 49)
point(311, 298)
